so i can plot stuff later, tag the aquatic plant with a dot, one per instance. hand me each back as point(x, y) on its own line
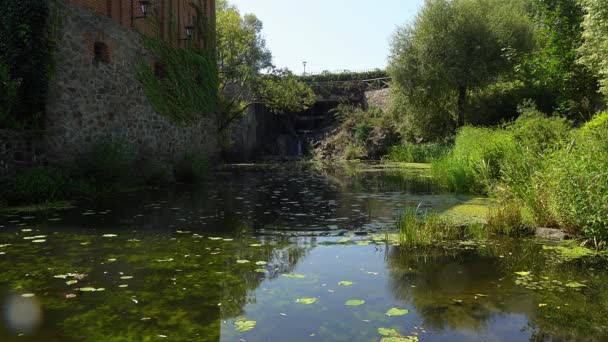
point(507, 220)
point(417, 228)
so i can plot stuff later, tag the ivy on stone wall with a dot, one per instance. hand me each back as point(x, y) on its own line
point(183, 82)
point(26, 60)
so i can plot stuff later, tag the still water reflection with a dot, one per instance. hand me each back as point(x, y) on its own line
point(274, 253)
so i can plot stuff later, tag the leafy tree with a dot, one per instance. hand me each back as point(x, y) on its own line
point(452, 48)
point(570, 87)
point(246, 73)
point(595, 40)
point(26, 47)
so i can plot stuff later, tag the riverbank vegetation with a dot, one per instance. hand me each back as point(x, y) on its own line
point(518, 88)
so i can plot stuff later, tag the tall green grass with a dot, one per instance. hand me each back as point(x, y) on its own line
point(417, 153)
point(557, 173)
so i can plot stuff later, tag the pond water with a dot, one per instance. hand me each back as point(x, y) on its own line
point(286, 253)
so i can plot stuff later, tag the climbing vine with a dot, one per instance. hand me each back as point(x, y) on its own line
point(183, 82)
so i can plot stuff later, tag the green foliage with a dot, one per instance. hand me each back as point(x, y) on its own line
point(559, 175)
point(451, 49)
point(8, 91)
point(538, 133)
point(578, 182)
point(570, 87)
point(362, 131)
point(242, 57)
point(193, 169)
point(594, 48)
point(282, 91)
point(507, 220)
point(417, 153)
point(41, 185)
point(415, 228)
point(107, 165)
point(26, 50)
point(183, 84)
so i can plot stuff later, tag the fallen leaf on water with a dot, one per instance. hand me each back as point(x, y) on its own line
point(306, 301)
point(397, 312)
point(293, 275)
point(244, 324)
point(355, 302)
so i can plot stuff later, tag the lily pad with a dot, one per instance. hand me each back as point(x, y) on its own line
point(244, 324)
point(293, 275)
point(306, 301)
point(71, 282)
point(27, 295)
point(523, 273)
point(575, 285)
point(261, 263)
point(345, 283)
point(397, 312)
point(355, 302)
point(255, 245)
point(110, 235)
point(242, 261)
point(261, 270)
point(387, 332)
point(400, 339)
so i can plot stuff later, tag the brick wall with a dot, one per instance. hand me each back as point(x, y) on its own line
point(121, 12)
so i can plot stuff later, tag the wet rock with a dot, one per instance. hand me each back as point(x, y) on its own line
point(550, 233)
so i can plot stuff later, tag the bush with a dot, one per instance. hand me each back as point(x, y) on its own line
point(45, 185)
point(193, 169)
point(153, 172)
point(413, 153)
point(474, 165)
point(538, 133)
point(107, 165)
point(362, 131)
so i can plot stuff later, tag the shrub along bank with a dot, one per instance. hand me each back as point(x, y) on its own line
point(557, 173)
point(105, 169)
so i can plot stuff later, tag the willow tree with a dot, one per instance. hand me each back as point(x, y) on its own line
point(246, 73)
point(450, 49)
point(594, 50)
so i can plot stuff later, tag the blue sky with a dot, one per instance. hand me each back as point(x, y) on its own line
point(330, 34)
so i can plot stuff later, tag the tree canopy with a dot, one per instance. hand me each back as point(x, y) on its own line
point(246, 73)
point(452, 48)
point(594, 48)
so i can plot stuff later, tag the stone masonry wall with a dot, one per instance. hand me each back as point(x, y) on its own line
point(93, 101)
point(20, 150)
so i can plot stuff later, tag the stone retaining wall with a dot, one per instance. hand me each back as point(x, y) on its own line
point(92, 100)
point(20, 150)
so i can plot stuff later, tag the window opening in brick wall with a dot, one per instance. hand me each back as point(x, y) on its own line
point(101, 52)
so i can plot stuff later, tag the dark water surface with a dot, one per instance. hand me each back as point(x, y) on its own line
point(274, 253)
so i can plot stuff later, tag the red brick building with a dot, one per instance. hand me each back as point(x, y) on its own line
point(130, 14)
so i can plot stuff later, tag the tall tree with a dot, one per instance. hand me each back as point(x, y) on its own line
point(246, 73)
point(452, 48)
point(571, 87)
point(594, 50)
